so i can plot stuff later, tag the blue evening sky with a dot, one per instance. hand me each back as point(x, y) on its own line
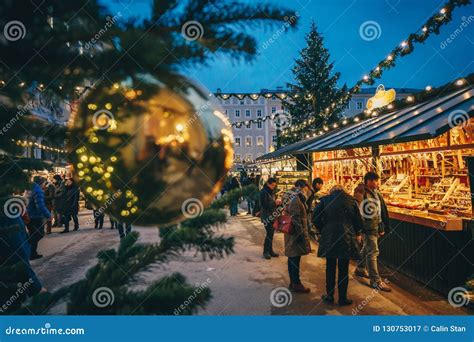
point(433, 63)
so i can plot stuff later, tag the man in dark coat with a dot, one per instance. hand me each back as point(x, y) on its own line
point(49, 196)
point(268, 214)
point(71, 205)
point(249, 181)
point(376, 221)
point(59, 199)
point(338, 221)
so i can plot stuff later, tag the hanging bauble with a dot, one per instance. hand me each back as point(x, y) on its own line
point(148, 155)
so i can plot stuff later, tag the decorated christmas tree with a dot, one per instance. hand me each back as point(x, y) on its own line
point(316, 85)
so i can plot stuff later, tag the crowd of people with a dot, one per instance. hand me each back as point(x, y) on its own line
point(336, 221)
point(51, 201)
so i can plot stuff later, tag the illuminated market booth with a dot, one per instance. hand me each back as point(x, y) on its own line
point(425, 156)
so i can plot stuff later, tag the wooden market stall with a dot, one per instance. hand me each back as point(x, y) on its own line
point(422, 154)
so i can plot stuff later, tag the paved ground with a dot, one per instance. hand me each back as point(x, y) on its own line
point(242, 283)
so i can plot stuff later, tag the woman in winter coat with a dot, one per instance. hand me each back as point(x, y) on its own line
point(297, 242)
point(71, 205)
point(338, 221)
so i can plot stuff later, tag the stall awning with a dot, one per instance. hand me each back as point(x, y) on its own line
point(419, 122)
point(284, 151)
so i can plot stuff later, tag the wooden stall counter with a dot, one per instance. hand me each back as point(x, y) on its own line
point(430, 220)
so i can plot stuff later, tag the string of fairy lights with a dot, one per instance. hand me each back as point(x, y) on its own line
point(26, 143)
point(432, 25)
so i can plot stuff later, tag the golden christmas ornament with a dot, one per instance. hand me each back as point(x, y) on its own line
point(144, 151)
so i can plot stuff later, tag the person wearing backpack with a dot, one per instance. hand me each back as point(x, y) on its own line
point(297, 241)
point(376, 222)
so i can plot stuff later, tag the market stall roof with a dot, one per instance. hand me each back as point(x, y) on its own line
point(284, 151)
point(419, 122)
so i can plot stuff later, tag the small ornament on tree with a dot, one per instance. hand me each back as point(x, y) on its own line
point(142, 149)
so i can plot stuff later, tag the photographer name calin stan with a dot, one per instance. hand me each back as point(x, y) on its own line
point(443, 328)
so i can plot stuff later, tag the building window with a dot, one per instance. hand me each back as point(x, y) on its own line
point(359, 104)
point(260, 141)
point(248, 157)
point(238, 158)
point(248, 125)
point(242, 102)
point(273, 97)
point(259, 124)
point(247, 113)
point(237, 141)
point(248, 141)
point(348, 105)
point(226, 113)
point(237, 113)
point(259, 113)
point(274, 109)
point(274, 138)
